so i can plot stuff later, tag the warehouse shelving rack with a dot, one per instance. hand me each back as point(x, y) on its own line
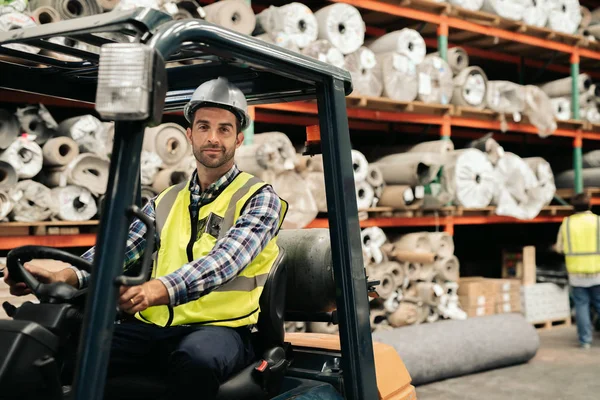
point(442, 25)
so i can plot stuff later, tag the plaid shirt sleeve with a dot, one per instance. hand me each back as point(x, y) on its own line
point(256, 226)
point(136, 243)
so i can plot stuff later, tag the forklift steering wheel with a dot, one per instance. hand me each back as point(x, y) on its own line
point(57, 292)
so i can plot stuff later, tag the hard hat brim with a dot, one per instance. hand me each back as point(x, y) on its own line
point(191, 108)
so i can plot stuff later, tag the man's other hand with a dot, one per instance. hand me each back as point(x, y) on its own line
point(41, 274)
point(133, 299)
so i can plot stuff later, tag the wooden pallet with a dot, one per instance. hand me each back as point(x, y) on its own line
point(553, 324)
point(386, 104)
point(592, 127)
point(44, 228)
point(475, 113)
point(556, 210)
point(593, 193)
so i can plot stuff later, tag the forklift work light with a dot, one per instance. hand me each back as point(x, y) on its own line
point(125, 82)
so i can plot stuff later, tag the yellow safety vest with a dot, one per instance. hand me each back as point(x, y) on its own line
point(233, 304)
point(581, 243)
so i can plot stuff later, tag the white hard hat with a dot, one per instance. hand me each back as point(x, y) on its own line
point(219, 93)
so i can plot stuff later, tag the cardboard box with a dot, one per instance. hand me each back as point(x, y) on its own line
point(479, 311)
point(475, 301)
point(474, 287)
point(505, 285)
point(508, 307)
point(508, 297)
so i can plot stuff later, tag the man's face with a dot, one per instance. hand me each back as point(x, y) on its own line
point(214, 136)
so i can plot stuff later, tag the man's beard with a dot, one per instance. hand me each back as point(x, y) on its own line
point(211, 162)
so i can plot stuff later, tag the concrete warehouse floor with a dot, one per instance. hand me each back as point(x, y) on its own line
point(560, 370)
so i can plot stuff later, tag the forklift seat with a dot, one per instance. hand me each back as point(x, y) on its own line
point(259, 381)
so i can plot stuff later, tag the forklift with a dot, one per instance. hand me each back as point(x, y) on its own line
point(135, 66)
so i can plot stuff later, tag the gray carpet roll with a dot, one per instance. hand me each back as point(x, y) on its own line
point(450, 348)
point(566, 179)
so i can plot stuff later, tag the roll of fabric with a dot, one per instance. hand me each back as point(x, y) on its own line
point(518, 195)
point(406, 314)
point(8, 176)
point(435, 80)
point(417, 241)
point(398, 74)
point(360, 166)
point(564, 15)
point(469, 178)
point(374, 176)
point(147, 194)
point(188, 165)
point(9, 129)
point(413, 270)
point(86, 131)
point(539, 110)
point(69, 9)
point(505, 97)
point(398, 197)
point(149, 165)
point(17, 20)
point(536, 12)
point(168, 141)
point(281, 39)
point(59, 151)
point(291, 186)
point(566, 179)
point(295, 20)
point(426, 273)
point(322, 327)
point(410, 168)
point(457, 57)
point(442, 244)
point(361, 65)
point(236, 15)
point(372, 241)
point(326, 52)
point(108, 5)
point(45, 15)
point(74, 203)
point(426, 293)
point(25, 156)
point(586, 17)
point(591, 114)
point(561, 107)
point(587, 98)
point(32, 202)
point(543, 172)
point(342, 25)
point(591, 159)
point(473, 5)
point(406, 42)
point(488, 145)
point(386, 280)
point(448, 268)
point(6, 205)
point(53, 177)
point(509, 9)
point(398, 271)
point(89, 171)
point(37, 122)
point(166, 178)
point(470, 88)
point(364, 195)
point(562, 87)
point(377, 318)
point(315, 182)
point(432, 146)
point(271, 151)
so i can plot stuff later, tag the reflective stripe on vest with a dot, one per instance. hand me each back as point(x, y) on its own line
point(581, 237)
point(235, 303)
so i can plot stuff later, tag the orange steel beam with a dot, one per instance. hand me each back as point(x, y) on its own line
point(490, 31)
point(80, 240)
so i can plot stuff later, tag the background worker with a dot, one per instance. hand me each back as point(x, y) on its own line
point(191, 322)
point(579, 240)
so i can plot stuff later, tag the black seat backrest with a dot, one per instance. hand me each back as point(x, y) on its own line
point(272, 305)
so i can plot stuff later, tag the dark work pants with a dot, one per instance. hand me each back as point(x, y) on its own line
point(193, 360)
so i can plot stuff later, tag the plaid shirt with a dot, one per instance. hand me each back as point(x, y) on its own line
point(255, 227)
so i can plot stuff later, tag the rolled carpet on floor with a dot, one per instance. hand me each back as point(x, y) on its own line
point(465, 347)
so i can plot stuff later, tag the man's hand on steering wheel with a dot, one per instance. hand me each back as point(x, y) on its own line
point(66, 275)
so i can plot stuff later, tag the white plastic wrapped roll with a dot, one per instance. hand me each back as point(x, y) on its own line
point(8, 176)
point(302, 207)
point(361, 65)
point(32, 202)
point(25, 156)
point(17, 20)
point(360, 166)
point(432, 146)
point(342, 25)
point(281, 39)
point(458, 59)
point(407, 42)
point(398, 74)
point(561, 107)
point(469, 178)
point(543, 172)
point(374, 176)
point(295, 20)
point(372, 240)
point(410, 168)
point(505, 97)
point(315, 181)
point(236, 15)
point(149, 165)
point(435, 81)
point(6, 205)
point(564, 15)
point(473, 5)
point(562, 87)
point(539, 110)
point(89, 171)
point(324, 51)
point(86, 130)
point(364, 195)
point(74, 203)
point(470, 88)
point(591, 114)
point(536, 12)
point(510, 9)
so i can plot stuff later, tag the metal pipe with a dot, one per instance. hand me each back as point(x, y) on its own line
point(101, 306)
point(442, 32)
point(575, 85)
point(352, 300)
point(578, 164)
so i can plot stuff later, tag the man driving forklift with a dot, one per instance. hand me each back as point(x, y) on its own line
point(216, 243)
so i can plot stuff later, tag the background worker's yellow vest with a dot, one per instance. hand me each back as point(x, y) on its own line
point(237, 302)
point(581, 243)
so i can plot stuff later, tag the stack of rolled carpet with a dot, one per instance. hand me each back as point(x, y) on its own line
point(560, 92)
point(590, 172)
